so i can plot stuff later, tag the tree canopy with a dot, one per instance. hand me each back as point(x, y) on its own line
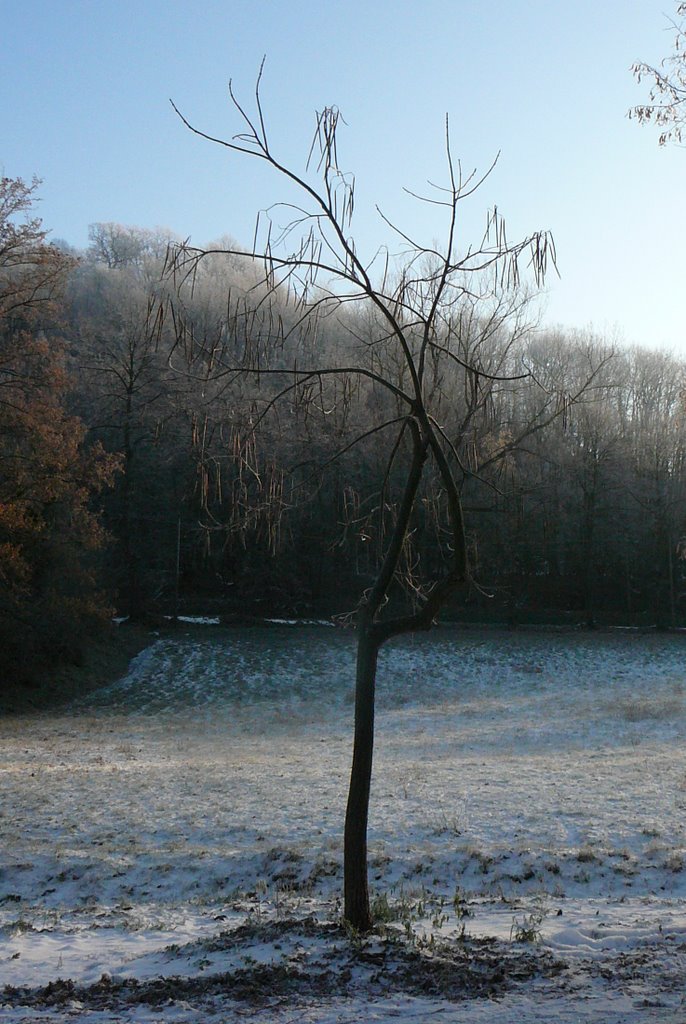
point(48, 474)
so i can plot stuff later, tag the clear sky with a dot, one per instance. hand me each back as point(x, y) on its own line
point(85, 88)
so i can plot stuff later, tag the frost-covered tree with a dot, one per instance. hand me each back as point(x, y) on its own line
point(666, 106)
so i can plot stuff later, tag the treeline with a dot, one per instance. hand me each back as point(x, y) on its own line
point(572, 450)
point(172, 440)
point(51, 589)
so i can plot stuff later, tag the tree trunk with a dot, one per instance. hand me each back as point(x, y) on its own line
point(356, 886)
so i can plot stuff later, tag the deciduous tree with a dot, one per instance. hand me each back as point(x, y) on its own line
point(48, 477)
point(416, 343)
point(666, 106)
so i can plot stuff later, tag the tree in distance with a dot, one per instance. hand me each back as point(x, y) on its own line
point(48, 474)
point(431, 338)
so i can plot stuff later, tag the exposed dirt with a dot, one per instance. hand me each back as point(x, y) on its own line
point(345, 966)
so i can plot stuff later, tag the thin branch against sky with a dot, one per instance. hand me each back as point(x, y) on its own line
point(546, 85)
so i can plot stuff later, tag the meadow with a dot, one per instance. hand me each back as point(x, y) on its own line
point(171, 845)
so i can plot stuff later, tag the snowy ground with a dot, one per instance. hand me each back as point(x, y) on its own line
point(171, 846)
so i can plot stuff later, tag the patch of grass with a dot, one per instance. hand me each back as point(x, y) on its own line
point(420, 915)
point(447, 825)
point(645, 709)
point(675, 862)
point(327, 867)
point(460, 905)
point(528, 927)
point(381, 909)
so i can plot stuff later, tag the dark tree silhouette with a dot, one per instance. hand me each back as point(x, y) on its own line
point(414, 343)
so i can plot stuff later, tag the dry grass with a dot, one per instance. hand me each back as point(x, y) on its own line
point(647, 709)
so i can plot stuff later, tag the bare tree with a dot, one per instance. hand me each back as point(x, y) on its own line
point(32, 271)
point(131, 393)
point(120, 245)
point(666, 106)
point(417, 338)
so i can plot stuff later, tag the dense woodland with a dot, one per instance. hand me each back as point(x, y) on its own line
point(146, 467)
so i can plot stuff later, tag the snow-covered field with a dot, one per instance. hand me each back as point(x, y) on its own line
point(171, 847)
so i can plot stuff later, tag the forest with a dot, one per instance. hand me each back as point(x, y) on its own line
point(153, 461)
point(342, 591)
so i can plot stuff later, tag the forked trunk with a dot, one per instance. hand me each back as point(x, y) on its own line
point(356, 885)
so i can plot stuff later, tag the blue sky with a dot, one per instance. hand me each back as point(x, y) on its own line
point(85, 89)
